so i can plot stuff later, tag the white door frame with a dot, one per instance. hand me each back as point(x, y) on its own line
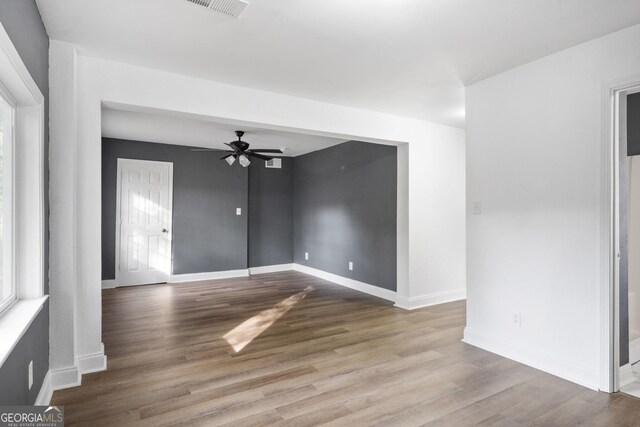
point(610, 289)
point(118, 223)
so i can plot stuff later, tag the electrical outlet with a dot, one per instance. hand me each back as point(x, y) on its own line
point(350, 265)
point(306, 256)
point(30, 374)
point(238, 211)
point(516, 320)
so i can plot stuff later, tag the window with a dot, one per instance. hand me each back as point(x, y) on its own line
point(22, 214)
point(7, 282)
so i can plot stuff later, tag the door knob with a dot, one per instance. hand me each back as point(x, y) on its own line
point(164, 230)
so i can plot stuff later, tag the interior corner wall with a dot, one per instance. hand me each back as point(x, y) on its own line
point(270, 214)
point(534, 162)
point(22, 22)
point(344, 204)
point(208, 236)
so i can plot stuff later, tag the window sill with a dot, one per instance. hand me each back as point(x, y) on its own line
point(15, 321)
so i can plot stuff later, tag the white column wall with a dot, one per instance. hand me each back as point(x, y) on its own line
point(62, 179)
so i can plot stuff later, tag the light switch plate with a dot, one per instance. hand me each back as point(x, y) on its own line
point(238, 211)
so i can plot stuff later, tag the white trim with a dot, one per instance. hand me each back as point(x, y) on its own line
point(212, 275)
point(626, 375)
point(65, 378)
point(120, 162)
point(72, 376)
point(569, 370)
point(413, 303)
point(634, 351)
point(15, 321)
point(95, 362)
point(270, 269)
point(346, 282)
point(109, 284)
point(46, 391)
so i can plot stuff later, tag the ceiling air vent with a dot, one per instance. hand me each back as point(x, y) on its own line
point(231, 8)
point(275, 163)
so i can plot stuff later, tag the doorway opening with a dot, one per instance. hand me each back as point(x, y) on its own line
point(625, 132)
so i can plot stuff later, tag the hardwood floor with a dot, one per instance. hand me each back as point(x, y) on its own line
point(330, 356)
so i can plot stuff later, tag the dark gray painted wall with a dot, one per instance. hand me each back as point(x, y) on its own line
point(270, 214)
point(208, 235)
point(34, 345)
point(21, 20)
point(344, 205)
point(633, 124)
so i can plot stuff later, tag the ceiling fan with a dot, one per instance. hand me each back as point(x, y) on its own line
point(240, 151)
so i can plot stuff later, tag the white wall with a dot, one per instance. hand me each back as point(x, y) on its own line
point(534, 160)
point(432, 232)
point(634, 250)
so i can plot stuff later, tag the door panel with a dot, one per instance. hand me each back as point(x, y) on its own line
point(144, 222)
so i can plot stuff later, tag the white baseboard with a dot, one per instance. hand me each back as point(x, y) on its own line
point(413, 303)
point(46, 391)
point(626, 375)
point(72, 376)
point(543, 361)
point(109, 284)
point(270, 269)
point(349, 283)
point(65, 378)
point(95, 362)
point(634, 351)
point(212, 275)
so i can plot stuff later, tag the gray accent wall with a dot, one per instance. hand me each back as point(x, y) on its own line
point(344, 209)
point(34, 345)
point(633, 124)
point(21, 20)
point(270, 214)
point(207, 234)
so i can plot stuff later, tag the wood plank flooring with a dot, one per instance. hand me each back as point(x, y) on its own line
point(327, 355)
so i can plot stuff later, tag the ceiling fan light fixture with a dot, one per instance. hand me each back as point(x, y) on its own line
point(244, 161)
point(231, 160)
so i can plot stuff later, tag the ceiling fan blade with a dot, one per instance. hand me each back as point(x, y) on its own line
point(267, 151)
point(204, 149)
point(257, 156)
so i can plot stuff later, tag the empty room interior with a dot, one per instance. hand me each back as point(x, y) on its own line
point(302, 213)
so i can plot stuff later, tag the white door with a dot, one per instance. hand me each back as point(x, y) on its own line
point(143, 222)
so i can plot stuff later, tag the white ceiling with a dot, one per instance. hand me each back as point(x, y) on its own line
point(404, 57)
point(167, 128)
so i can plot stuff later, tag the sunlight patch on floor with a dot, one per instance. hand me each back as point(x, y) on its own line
point(240, 336)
